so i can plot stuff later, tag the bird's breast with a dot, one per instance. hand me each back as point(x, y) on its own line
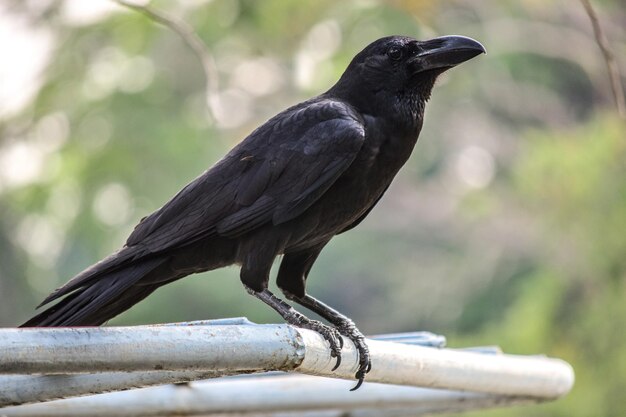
point(362, 185)
point(359, 188)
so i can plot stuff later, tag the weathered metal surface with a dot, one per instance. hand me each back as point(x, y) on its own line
point(23, 389)
point(282, 395)
point(229, 321)
point(197, 350)
point(426, 339)
point(149, 348)
point(395, 363)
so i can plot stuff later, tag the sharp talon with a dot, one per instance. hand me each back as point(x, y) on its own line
point(340, 342)
point(369, 368)
point(358, 384)
point(337, 364)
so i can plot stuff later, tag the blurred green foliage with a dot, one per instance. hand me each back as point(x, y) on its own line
point(506, 226)
point(571, 303)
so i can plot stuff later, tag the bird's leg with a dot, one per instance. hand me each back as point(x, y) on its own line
point(345, 326)
point(295, 318)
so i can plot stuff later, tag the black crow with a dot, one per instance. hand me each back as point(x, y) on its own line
point(309, 173)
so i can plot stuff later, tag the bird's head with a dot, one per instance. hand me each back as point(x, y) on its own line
point(400, 66)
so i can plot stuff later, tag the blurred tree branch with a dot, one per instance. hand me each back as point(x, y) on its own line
point(191, 38)
point(603, 43)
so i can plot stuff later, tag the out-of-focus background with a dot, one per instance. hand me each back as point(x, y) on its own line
point(507, 226)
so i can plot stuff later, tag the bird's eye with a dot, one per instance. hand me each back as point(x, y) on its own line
point(394, 53)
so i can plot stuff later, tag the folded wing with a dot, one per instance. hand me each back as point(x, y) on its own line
point(273, 176)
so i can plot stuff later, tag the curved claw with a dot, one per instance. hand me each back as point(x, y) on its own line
point(359, 382)
point(330, 334)
point(338, 363)
point(334, 339)
point(365, 364)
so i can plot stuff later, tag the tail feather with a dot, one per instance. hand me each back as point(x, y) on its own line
point(98, 298)
point(109, 264)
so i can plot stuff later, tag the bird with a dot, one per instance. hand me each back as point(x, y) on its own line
point(313, 171)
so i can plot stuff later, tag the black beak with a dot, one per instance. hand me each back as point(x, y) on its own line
point(445, 52)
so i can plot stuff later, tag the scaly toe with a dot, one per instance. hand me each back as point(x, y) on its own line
point(365, 365)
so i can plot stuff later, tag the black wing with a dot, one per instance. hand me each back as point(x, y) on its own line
point(274, 175)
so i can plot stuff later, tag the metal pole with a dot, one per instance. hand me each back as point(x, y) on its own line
point(172, 348)
point(23, 389)
point(227, 349)
point(394, 363)
point(279, 395)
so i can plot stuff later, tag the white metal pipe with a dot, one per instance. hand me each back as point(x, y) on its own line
point(254, 348)
point(23, 389)
point(149, 348)
point(283, 395)
point(394, 363)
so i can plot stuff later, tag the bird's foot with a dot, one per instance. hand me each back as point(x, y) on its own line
point(295, 318)
point(349, 330)
point(330, 334)
point(345, 326)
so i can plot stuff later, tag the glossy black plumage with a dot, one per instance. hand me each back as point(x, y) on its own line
point(311, 172)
